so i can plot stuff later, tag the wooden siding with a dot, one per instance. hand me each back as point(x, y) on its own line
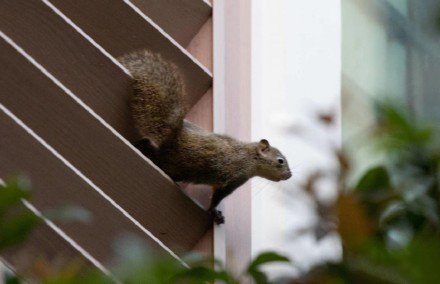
point(55, 185)
point(82, 114)
point(68, 56)
point(181, 19)
point(119, 29)
point(98, 154)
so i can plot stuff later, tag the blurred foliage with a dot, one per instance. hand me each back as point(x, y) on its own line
point(437, 20)
point(254, 268)
point(16, 221)
point(134, 263)
point(403, 193)
point(389, 221)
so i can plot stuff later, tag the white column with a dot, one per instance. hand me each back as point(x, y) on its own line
point(296, 67)
point(232, 116)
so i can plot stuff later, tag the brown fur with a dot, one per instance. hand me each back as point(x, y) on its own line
point(157, 103)
point(184, 151)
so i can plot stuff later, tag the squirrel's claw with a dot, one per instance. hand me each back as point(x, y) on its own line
point(217, 216)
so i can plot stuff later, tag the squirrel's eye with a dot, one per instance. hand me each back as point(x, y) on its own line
point(280, 161)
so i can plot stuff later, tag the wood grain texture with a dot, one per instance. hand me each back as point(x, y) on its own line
point(181, 19)
point(72, 59)
point(120, 172)
point(55, 185)
point(119, 30)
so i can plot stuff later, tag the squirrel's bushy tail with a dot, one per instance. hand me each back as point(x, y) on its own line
point(157, 103)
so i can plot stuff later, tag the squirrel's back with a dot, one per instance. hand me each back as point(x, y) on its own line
point(157, 104)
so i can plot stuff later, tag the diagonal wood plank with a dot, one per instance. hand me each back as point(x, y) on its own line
point(71, 58)
point(102, 157)
point(55, 185)
point(181, 19)
point(119, 29)
point(99, 83)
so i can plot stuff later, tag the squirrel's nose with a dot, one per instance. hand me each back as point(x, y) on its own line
point(287, 175)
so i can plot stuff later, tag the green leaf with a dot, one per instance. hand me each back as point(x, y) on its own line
point(12, 279)
point(12, 192)
point(374, 179)
point(259, 277)
point(17, 228)
point(264, 258)
point(267, 257)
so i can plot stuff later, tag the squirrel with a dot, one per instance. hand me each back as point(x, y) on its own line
point(181, 149)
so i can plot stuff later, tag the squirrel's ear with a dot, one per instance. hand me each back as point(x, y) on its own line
point(263, 146)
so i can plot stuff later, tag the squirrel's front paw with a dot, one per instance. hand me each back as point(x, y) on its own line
point(218, 216)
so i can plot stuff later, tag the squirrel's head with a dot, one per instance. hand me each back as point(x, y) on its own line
point(271, 164)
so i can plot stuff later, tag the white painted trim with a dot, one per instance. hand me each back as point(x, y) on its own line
point(67, 163)
point(219, 105)
point(85, 35)
point(231, 20)
point(175, 43)
point(219, 66)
